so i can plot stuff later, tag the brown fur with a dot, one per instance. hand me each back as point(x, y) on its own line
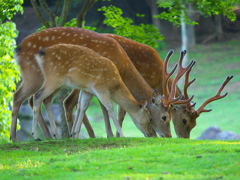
point(81, 68)
point(107, 47)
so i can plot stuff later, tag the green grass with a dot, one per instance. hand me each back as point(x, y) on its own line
point(121, 158)
point(214, 63)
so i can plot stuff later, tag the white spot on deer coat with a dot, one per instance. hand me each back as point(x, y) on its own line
point(53, 37)
point(29, 44)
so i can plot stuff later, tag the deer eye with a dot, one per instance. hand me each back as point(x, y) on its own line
point(164, 118)
point(184, 121)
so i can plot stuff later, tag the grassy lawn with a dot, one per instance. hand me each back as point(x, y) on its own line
point(121, 158)
point(214, 63)
point(146, 158)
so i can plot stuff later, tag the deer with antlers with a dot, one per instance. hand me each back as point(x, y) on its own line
point(106, 47)
point(184, 116)
point(150, 66)
point(168, 102)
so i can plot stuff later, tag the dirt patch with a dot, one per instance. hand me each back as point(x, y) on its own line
point(234, 87)
point(232, 66)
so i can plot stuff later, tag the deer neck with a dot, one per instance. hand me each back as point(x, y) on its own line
point(124, 98)
point(138, 87)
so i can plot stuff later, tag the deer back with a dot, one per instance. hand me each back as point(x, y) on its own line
point(146, 60)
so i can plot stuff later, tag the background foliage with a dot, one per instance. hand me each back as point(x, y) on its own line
point(143, 33)
point(9, 71)
point(206, 7)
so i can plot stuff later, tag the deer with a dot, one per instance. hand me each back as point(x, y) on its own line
point(185, 122)
point(81, 68)
point(148, 62)
point(107, 47)
point(150, 66)
point(169, 100)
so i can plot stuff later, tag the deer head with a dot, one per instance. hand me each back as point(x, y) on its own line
point(185, 116)
point(167, 101)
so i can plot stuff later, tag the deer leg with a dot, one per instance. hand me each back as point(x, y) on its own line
point(106, 120)
point(121, 115)
point(46, 90)
point(88, 126)
point(83, 103)
point(23, 92)
point(48, 106)
point(69, 103)
point(41, 121)
point(77, 115)
point(105, 100)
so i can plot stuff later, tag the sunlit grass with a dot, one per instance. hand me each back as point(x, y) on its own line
point(121, 158)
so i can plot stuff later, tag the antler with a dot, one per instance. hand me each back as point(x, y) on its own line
point(186, 85)
point(216, 97)
point(167, 100)
point(180, 73)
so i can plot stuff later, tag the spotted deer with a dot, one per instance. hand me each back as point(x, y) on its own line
point(184, 116)
point(81, 68)
point(150, 66)
point(105, 46)
point(169, 100)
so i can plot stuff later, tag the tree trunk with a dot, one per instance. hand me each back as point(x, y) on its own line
point(218, 26)
point(184, 43)
point(154, 11)
point(190, 28)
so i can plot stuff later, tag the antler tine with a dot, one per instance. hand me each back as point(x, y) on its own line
point(185, 52)
point(181, 71)
point(166, 77)
point(187, 84)
point(187, 101)
point(214, 98)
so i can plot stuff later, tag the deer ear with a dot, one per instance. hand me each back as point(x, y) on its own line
point(156, 97)
point(143, 103)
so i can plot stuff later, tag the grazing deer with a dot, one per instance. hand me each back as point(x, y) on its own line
point(150, 66)
point(106, 47)
point(184, 116)
point(168, 101)
point(81, 68)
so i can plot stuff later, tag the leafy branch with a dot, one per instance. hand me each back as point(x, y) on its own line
point(208, 8)
point(143, 33)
